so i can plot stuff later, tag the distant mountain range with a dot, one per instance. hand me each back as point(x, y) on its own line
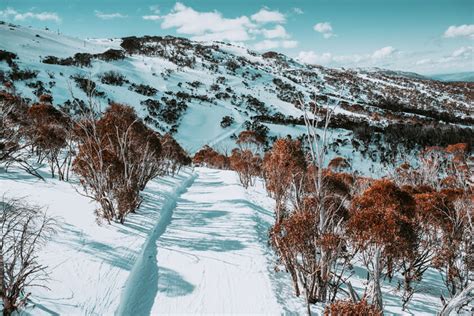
point(467, 76)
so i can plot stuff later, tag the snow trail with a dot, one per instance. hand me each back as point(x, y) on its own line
point(142, 284)
point(211, 258)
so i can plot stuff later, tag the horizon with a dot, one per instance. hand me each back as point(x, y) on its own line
point(428, 38)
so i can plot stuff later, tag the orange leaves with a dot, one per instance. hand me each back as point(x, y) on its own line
point(383, 216)
point(211, 158)
point(246, 164)
point(282, 166)
point(348, 308)
point(118, 154)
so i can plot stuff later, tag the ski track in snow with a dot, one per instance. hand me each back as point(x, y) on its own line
point(206, 255)
point(142, 284)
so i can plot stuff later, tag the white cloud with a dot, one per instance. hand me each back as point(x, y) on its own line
point(277, 32)
point(460, 31)
point(206, 25)
point(289, 44)
point(213, 26)
point(383, 52)
point(310, 57)
point(19, 16)
point(298, 10)
point(109, 16)
point(378, 56)
point(460, 58)
point(463, 52)
point(324, 28)
point(266, 16)
point(155, 9)
point(152, 17)
point(273, 44)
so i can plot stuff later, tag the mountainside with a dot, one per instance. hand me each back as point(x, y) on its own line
point(206, 93)
point(283, 212)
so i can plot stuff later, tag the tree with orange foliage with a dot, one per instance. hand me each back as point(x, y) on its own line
point(207, 156)
point(246, 164)
point(13, 111)
point(250, 140)
point(50, 135)
point(284, 167)
point(117, 156)
point(382, 226)
point(173, 154)
point(443, 188)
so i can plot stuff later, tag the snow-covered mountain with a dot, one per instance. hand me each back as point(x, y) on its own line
point(199, 241)
point(188, 87)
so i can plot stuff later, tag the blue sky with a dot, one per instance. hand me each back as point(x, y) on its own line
point(425, 36)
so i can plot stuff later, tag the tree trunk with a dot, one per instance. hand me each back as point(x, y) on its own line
point(457, 301)
point(377, 295)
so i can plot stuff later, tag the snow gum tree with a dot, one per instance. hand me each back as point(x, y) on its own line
point(50, 135)
point(117, 156)
point(382, 226)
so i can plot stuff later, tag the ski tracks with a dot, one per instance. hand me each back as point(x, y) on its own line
point(141, 286)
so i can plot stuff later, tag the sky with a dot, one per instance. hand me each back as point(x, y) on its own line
point(424, 36)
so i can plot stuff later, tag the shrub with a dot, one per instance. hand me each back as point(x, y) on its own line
point(8, 57)
point(24, 229)
point(347, 308)
point(227, 121)
point(143, 89)
point(117, 156)
point(49, 133)
point(26, 74)
point(113, 78)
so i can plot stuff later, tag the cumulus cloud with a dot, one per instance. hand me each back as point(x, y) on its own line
point(10, 13)
point(277, 32)
point(267, 16)
point(464, 30)
point(379, 55)
point(274, 44)
point(109, 16)
point(324, 28)
point(383, 52)
point(206, 25)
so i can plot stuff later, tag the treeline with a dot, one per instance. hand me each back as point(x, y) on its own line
point(328, 219)
point(114, 154)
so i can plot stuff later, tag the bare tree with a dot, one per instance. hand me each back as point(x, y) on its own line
point(23, 230)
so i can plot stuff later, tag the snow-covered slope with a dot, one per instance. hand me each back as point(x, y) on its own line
point(198, 245)
point(187, 87)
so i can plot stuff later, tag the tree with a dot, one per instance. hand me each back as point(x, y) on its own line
point(209, 157)
point(23, 230)
point(173, 154)
point(50, 133)
point(287, 155)
point(117, 156)
point(246, 164)
point(381, 225)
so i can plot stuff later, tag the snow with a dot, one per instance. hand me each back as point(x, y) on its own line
point(197, 245)
point(199, 242)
